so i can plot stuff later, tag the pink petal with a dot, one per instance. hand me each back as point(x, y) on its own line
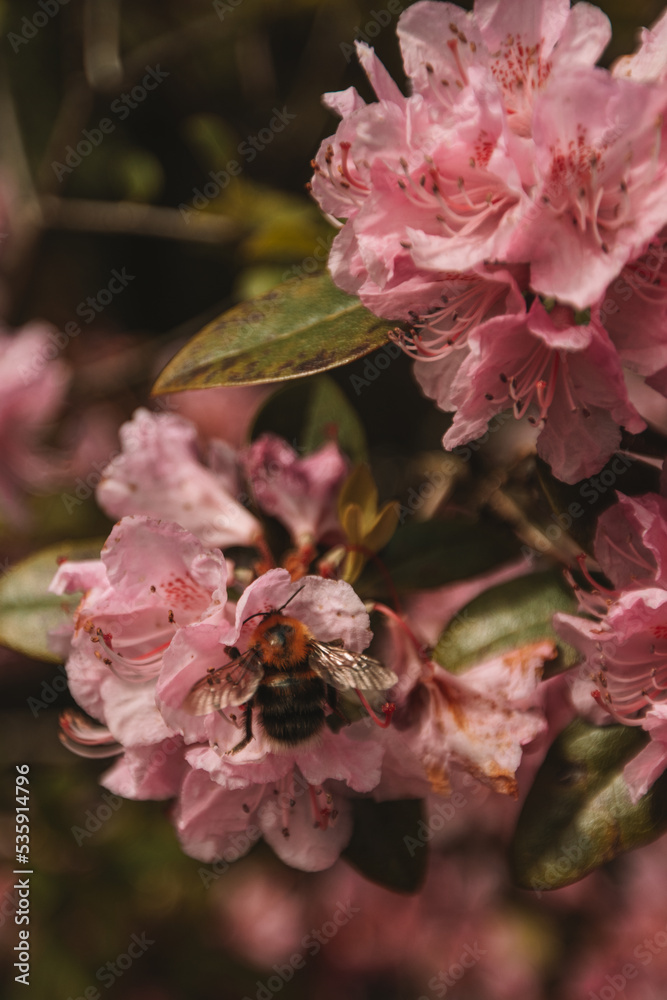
point(158, 473)
point(381, 82)
point(211, 822)
point(307, 848)
point(148, 772)
point(300, 492)
point(577, 244)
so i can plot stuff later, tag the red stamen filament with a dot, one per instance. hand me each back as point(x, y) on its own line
point(388, 710)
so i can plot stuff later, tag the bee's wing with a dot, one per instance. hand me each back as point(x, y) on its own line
point(232, 684)
point(342, 669)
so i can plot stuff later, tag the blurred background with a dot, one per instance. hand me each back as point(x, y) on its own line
point(153, 162)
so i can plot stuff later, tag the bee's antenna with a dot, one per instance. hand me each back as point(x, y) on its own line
point(291, 598)
point(273, 611)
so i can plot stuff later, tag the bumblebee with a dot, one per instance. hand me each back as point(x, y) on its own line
point(289, 678)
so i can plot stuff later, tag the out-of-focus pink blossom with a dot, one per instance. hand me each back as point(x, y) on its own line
point(33, 387)
point(222, 413)
point(159, 473)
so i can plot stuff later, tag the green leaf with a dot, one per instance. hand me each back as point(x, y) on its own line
point(578, 814)
point(27, 610)
point(303, 326)
point(386, 845)
point(506, 617)
point(427, 554)
point(310, 413)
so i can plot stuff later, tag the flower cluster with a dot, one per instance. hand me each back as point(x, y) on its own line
point(624, 642)
point(174, 654)
point(512, 210)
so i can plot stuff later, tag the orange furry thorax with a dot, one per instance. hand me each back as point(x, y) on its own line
point(282, 642)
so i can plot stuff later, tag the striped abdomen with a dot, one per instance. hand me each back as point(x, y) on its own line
point(291, 704)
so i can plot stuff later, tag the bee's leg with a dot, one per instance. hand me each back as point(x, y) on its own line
point(248, 731)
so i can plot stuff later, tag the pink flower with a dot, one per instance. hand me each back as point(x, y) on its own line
point(633, 310)
point(158, 473)
point(566, 377)
point(522, 46)
point(33, 388)
point(425, 189)
point(439, 340)
point(217, 824)
point(152, 577)
point(631, 541)
point(625, 645)
point(301, 492)
point(480, 721)
point(475, 722)
point(440, 181)
point(602, 183)
point(222, 413)
point(230, 793)
point(626, 654)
